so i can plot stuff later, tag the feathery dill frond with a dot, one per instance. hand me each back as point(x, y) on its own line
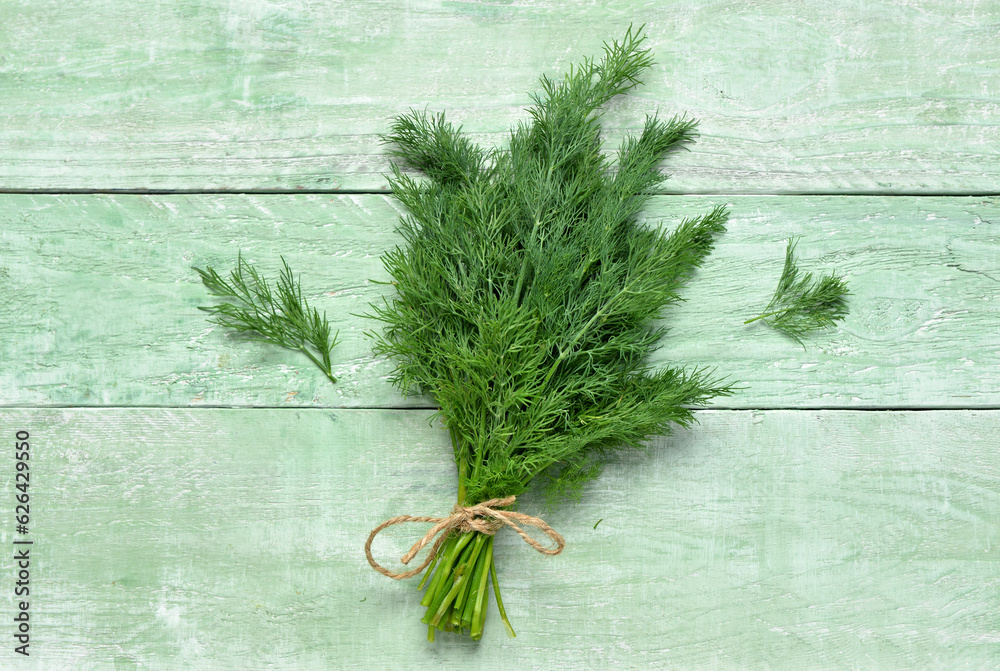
point(800, 305)
point(527, 288)
point(280, 315)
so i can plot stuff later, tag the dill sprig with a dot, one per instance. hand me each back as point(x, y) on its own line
point(527, 291)
point(801, 305)
point(280, 315)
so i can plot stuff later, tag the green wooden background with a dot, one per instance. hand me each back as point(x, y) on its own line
point(201, 502)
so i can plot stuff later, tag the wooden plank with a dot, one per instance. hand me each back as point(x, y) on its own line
point(819, 97)
point(99, 300)
point(221, 538)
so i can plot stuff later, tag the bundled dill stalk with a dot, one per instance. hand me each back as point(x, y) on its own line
point(526, 298)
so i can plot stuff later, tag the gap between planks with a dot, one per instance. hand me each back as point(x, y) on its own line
point(411, 408)
point(387, 192)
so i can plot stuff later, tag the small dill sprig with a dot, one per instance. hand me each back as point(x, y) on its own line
point(280, 316)
point(801, 305)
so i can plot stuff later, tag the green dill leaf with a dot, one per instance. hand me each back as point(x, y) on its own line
point(278, 315)
point(801, 305)
point(527, 289)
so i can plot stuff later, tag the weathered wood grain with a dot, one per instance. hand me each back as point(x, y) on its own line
point(216, 539)
point(99, 300)
point(819, 97)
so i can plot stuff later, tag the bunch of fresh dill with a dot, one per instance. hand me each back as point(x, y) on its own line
point(526, 297)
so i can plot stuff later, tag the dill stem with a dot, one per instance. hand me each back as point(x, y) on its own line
point(467, 579)
point(445, 598)
point(766, 314)
point(430, 569)
point(482, 593)
point(572, 344)
point(524, 263)
point(472, 599)
point(463, 465)
point(325, 367)
point(462, 580)
point(447, 553)
point(451, 561)
point(496, 591)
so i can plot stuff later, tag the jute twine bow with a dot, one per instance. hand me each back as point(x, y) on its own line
point(483, 517)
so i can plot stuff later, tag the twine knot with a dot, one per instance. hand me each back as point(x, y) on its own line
point(482, 517)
